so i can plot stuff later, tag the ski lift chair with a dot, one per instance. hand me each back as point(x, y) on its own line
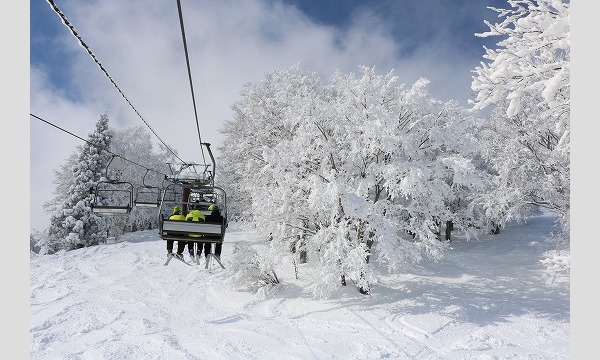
point(147, 195)
point(112, 197)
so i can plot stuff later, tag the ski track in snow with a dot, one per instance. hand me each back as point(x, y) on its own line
point(118, 301)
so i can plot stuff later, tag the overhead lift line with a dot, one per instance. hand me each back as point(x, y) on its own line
point(187, 61)
point(89, 51)
point(80, 138)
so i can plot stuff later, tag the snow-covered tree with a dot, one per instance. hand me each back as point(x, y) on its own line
point(140, 164)
point(63, 179)
point(72, 223)
point(527, 139)
point(261, 119)
point(37, 241)
point(132, 159)
point(356, 168)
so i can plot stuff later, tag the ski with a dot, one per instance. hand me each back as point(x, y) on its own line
point(182, 260)
point(171, 256)
point(210, 257)
point(194, 259)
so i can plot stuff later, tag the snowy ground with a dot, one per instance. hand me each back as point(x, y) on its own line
point(487, 299)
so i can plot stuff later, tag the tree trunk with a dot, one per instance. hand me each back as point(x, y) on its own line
point(299, 244)
point(369, 245)
point(495, 229)
point(366, 289)
point(449, 228)
point(302, 257)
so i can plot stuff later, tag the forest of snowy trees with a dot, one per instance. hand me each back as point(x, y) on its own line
point(73, 223)
point(341, 172)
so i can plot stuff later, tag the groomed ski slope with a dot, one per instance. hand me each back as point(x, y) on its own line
point(487, 299)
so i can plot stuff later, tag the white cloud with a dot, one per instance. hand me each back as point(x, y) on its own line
point(230, 43)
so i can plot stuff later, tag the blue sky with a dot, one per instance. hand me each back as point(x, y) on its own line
point(230, 43)
point(411, 24)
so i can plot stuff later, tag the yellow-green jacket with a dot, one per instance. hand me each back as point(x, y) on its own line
point(195, 215)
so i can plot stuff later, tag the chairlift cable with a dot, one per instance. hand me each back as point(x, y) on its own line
point(89, 51)
point(187, 61)
point(112, 153)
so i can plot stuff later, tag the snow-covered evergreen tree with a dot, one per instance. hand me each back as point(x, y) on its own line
point(527, 139)
point(134, 160)
point(63, 178)
point(357, 168)
point(72, 223)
